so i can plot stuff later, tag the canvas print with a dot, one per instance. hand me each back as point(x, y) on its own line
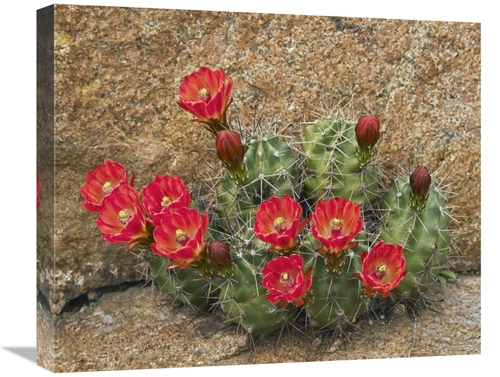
point(222, 188)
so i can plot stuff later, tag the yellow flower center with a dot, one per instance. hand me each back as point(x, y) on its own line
point(107, 187)
point(336, 224)
point(180, 236)
point(286, 279)
point(165, 201)
point(204, 94)
point(382, 270)
point(123, 216)
point(280, 224)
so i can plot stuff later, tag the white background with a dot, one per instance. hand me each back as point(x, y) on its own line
point(18, 165)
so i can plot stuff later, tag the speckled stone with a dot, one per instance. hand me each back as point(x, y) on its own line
point(148, 332)
point(116, 77)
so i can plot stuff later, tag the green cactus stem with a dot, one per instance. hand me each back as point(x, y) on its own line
point(183, 286)
point(424, 235)
point(332, 166)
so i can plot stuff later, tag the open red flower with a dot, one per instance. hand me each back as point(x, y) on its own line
point(122, 218)
point(286, 281)
point(101, 182)
point(164, 194)
point(335, 223)
point(382, 269)
point(277, 222)
point(180, 237)
point(205, 95)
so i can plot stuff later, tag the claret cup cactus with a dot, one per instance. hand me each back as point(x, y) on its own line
point(306, 236)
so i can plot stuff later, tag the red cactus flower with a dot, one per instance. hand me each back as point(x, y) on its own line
point(286, 281)
point(420, 182)
point(335, 223)
point(101, 182)
point(382, 269)
point(180, 237)
point(164, 194)
point(122, 218)
point(277, 222)
point(205, 95)
point(231, 152)
point(38, 191)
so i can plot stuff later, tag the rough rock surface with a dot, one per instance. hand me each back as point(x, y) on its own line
point(116, 77)
point(140, 329)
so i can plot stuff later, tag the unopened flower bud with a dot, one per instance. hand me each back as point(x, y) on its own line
point(231, 152)
point(420, 182)
point(367, 134)
point(219, 254)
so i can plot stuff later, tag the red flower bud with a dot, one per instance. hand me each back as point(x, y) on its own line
point(367, 131)
point(231, 152)
point(367, 134)
point(420, 182)
point(219, 254)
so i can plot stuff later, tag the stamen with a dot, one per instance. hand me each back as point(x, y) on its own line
point(336, 224)
point(123, 216)
point(286, 279)
point(204, 94)
point(280, 224)
point(107, 188)
point(382, 270)
point(180, 236)
point(165, 201)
